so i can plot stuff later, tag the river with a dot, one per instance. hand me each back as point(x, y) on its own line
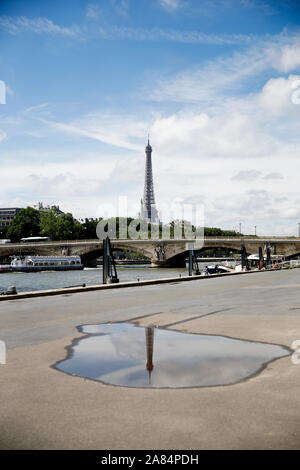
point(43, 280)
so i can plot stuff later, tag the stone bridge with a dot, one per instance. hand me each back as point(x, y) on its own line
point(161, 252)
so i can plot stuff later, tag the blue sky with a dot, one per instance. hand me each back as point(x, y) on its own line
point(214, 82)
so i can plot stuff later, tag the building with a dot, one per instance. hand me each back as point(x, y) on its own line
point(7, 215)
point(41, 208)
point(148, 208)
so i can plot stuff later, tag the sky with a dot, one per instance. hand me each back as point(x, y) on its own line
point(216, 84)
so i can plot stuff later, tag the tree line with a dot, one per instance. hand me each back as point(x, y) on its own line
point(30, 222)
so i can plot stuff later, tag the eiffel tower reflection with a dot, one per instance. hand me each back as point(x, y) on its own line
point(149, 331)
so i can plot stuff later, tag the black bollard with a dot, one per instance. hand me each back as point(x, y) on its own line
point(109, 267)
point(260, 256)
point(190, 262)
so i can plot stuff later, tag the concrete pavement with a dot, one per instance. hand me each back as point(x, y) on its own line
point(42, 408)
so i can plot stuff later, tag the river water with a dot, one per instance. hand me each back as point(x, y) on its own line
point(43, 280)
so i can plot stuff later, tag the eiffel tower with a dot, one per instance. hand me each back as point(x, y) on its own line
point(148, 209)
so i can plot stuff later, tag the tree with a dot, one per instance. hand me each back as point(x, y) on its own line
point(48, 220)
point(3, 231)
point(90, 227)
point(25, 224)
point(68, 228)
point(61, 227)
point(218, 232)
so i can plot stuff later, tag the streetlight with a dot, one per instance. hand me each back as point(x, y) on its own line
point(255, 230)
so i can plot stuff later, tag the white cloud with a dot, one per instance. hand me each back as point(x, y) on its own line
point(246, 175)
point(254, 175)
point(42, 25)
point(273, 176)
point(171, 35)
point(36, 109)
point(121, 7)
point(276, 95)
point(112, 132)
point(93, 11)
point(286, 57)
point(170, 5)
point(224, 77)
point(64, 184)
point(212, 135)
point(22, 24)
point(271, 215)
point(258, 5)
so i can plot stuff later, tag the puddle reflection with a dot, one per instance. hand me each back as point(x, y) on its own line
point(128, 355)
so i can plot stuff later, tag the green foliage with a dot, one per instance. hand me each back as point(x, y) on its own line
point(25, 224)
point(218, 232)
point(30, 223)
point(90, 227)
point(132, 255)
point(60, 227)
point(3, 231)
point(48, 224)
point(68, 228)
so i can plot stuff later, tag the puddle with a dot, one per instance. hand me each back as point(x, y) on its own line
point(132, 356)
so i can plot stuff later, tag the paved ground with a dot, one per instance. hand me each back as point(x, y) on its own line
point(42, 408)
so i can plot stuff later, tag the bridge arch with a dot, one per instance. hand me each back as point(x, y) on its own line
point(89, 258)
point(219, 247)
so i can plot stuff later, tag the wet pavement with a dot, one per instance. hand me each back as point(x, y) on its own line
point(126, 355)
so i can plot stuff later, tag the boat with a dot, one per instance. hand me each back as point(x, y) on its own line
point(42, 263)
point(218, 269)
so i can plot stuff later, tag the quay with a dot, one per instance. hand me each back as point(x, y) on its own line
point(43, 408)
point(121, 285)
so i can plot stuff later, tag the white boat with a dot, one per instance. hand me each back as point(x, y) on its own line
point(218, 268)
point(42, 263)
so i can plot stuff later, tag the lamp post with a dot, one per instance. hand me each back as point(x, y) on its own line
point(255, 230)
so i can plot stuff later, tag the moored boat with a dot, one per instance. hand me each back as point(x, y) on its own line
point(218, 269)
point(42, 263)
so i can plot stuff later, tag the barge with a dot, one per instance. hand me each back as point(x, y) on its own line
point(42, 263)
